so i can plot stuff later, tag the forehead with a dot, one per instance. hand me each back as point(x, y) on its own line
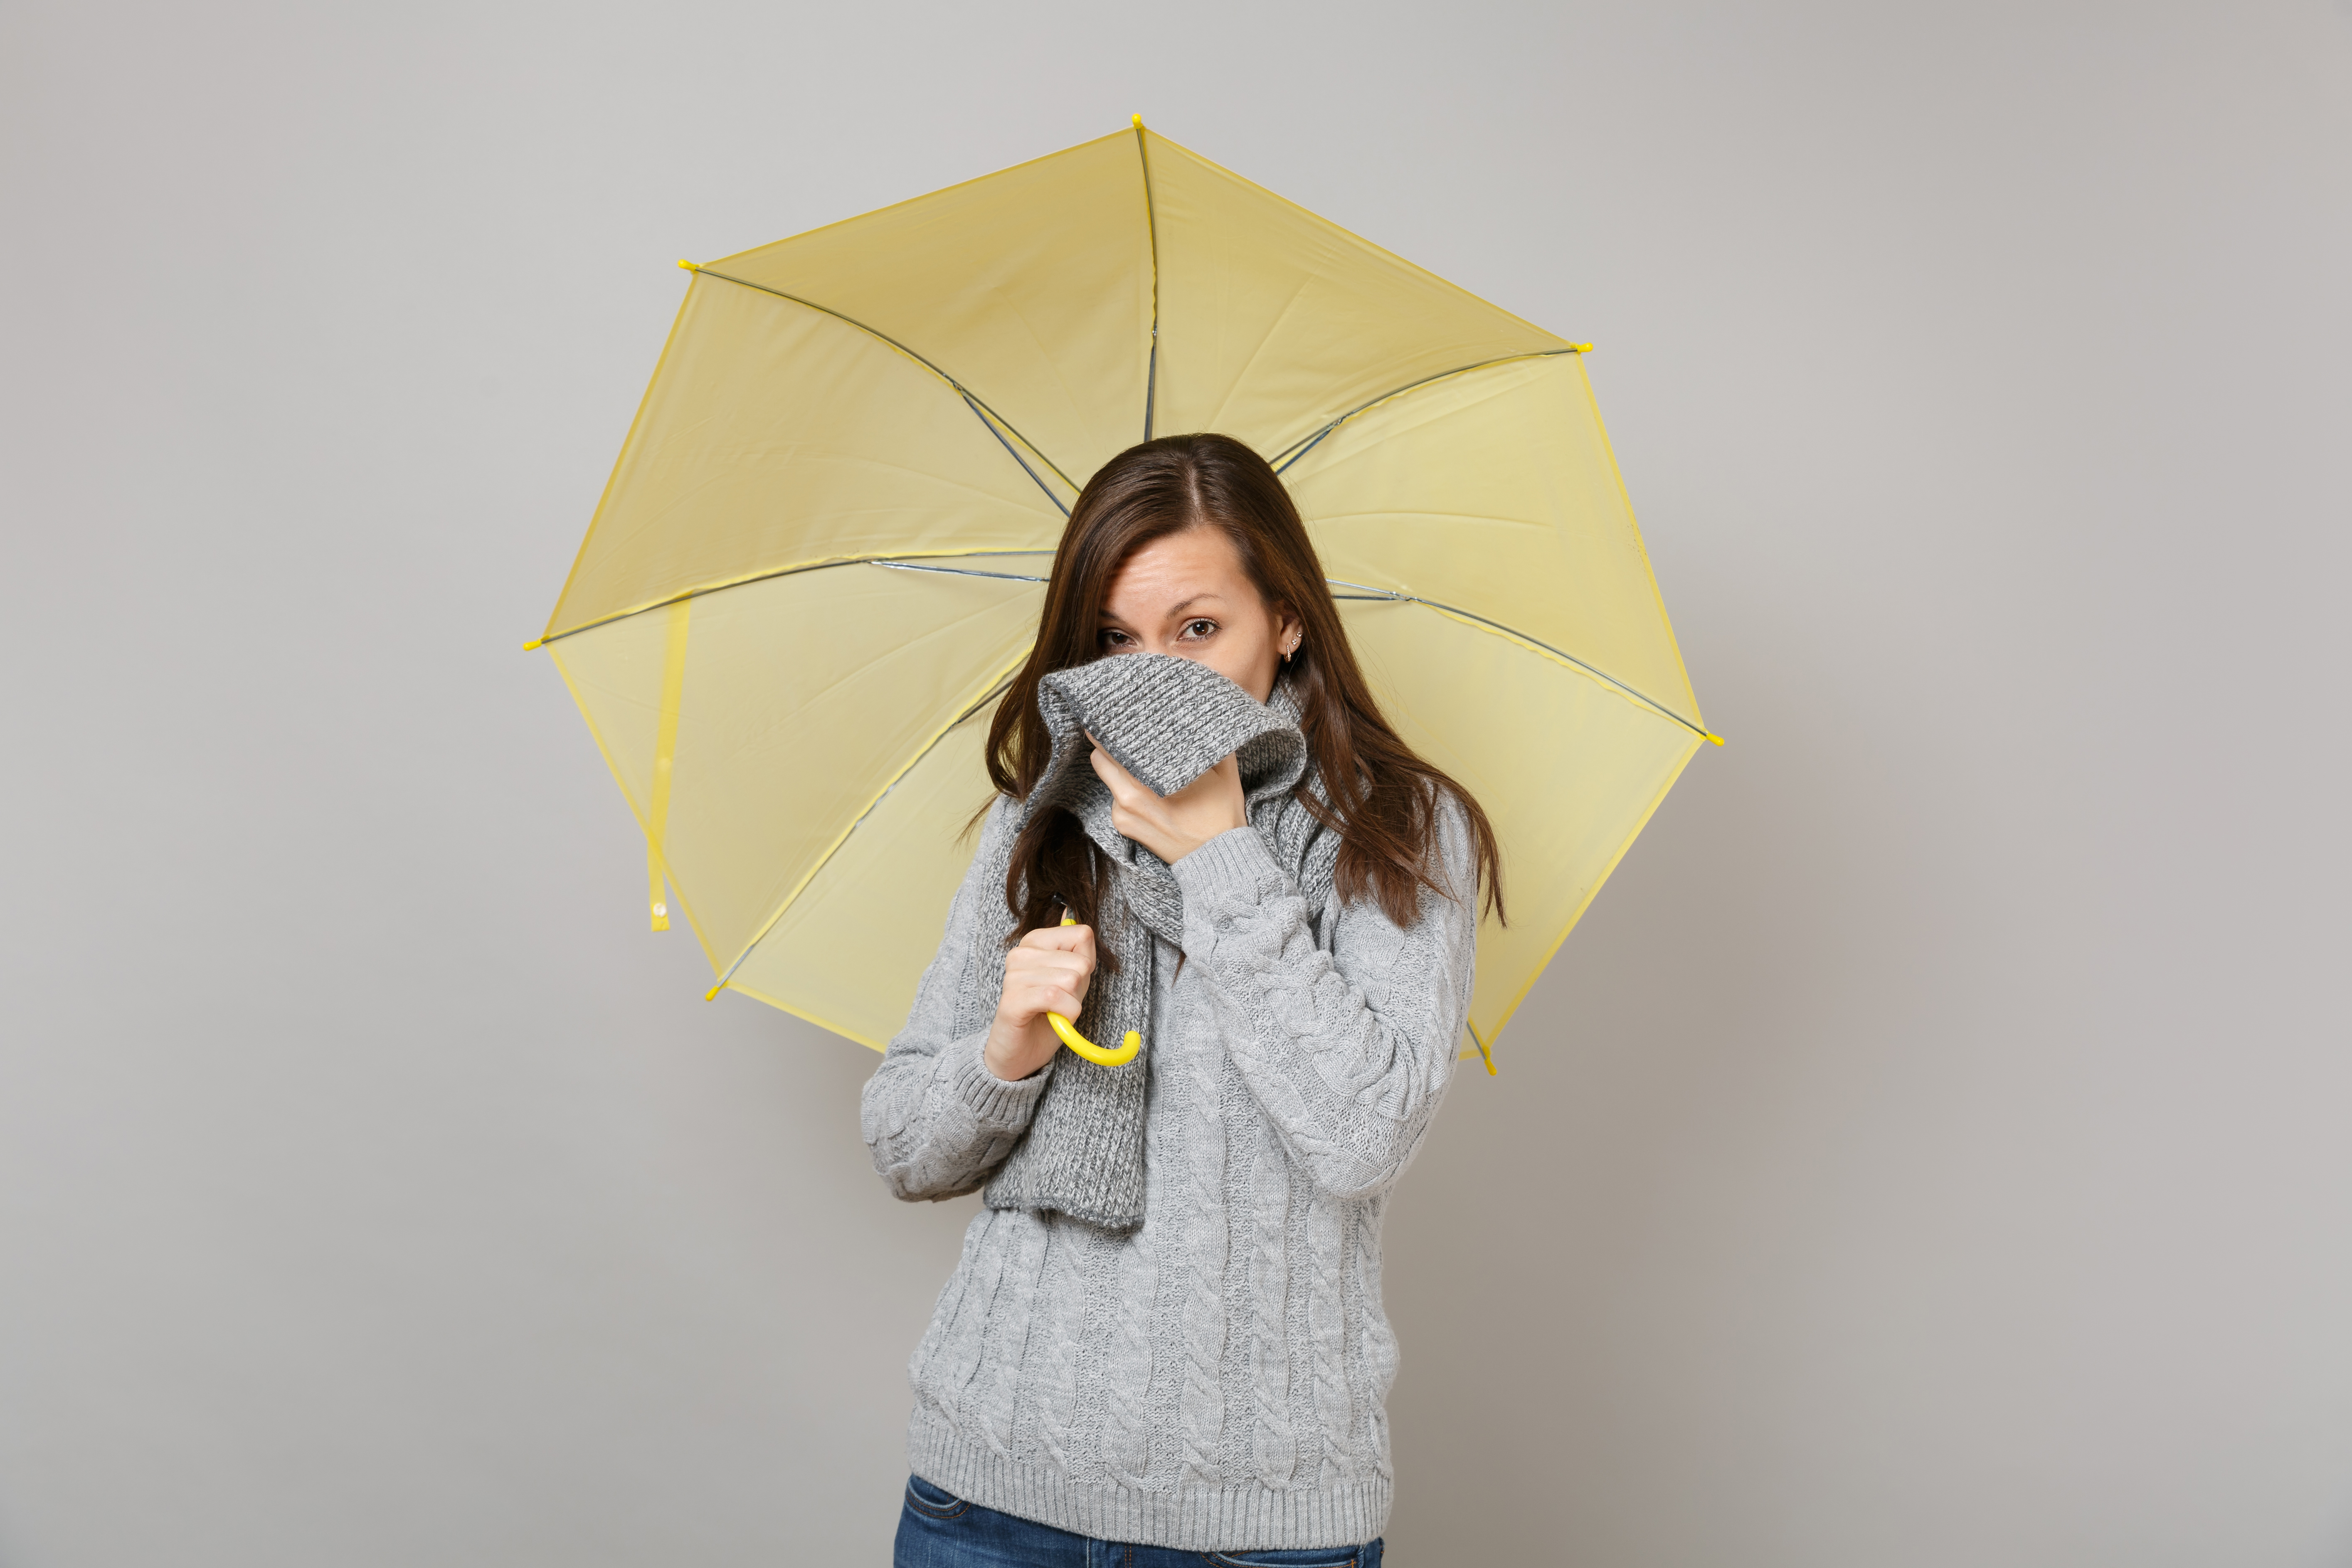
point(1177, 566)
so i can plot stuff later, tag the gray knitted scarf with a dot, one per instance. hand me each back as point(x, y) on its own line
point(1167, 720)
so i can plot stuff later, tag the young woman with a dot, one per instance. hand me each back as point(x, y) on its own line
point(1164, 1339)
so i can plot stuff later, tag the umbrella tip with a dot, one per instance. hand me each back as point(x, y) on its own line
point(533, 644)
point(1712, 736)
point(1138, 119)
point(1573, 348)
point(689, 266)
point(712, 994)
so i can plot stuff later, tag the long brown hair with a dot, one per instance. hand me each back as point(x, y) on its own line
point(1383, 798)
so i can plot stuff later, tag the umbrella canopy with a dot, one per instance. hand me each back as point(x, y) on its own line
point(821, 552)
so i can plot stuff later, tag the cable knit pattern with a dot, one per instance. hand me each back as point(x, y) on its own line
point(1214, 1378)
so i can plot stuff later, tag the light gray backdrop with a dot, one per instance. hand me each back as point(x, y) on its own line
point(1935, 1148)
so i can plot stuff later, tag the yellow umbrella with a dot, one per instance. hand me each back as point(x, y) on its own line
point(821, 552)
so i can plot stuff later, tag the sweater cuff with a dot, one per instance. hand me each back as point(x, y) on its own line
point(992, 1102)
point(1235, 869)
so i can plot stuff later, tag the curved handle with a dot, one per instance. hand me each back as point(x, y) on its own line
point(1087, 1048)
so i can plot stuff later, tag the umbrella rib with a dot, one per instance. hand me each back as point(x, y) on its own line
point(980, 407)
point(973, 403)
point(792, 570)
point(957, 570)
point(1394, 597)
point(995, 689)
point(1151, 227)
point(1305, 444)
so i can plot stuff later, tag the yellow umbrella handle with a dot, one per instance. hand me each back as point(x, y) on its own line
point(1087, 1048)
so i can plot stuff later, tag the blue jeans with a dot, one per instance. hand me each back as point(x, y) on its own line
point(937, 1531)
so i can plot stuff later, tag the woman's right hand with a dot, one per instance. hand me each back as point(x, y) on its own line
point(1048, 972)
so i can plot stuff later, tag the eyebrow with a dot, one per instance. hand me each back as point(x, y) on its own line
point(1176, 609)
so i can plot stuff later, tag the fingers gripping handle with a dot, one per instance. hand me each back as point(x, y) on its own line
point(1087, 1048)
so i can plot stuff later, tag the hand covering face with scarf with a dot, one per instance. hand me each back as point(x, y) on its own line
point(1167, 720)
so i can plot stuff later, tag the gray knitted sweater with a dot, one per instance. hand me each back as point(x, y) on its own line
point(1214, 1380)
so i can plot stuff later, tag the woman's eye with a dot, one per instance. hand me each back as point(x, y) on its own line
point(1113, 639)
point(1199, 628)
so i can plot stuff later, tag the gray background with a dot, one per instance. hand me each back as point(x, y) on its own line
point(1933, 1149)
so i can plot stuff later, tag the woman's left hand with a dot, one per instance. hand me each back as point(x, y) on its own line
point(1172, 827)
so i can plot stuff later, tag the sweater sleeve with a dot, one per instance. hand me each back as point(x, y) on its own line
point(937, 1122)
point(1348, 1052)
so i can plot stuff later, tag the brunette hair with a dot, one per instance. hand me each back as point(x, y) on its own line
point(1382, 798)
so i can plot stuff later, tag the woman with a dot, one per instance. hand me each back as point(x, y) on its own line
point(1164, 1338)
